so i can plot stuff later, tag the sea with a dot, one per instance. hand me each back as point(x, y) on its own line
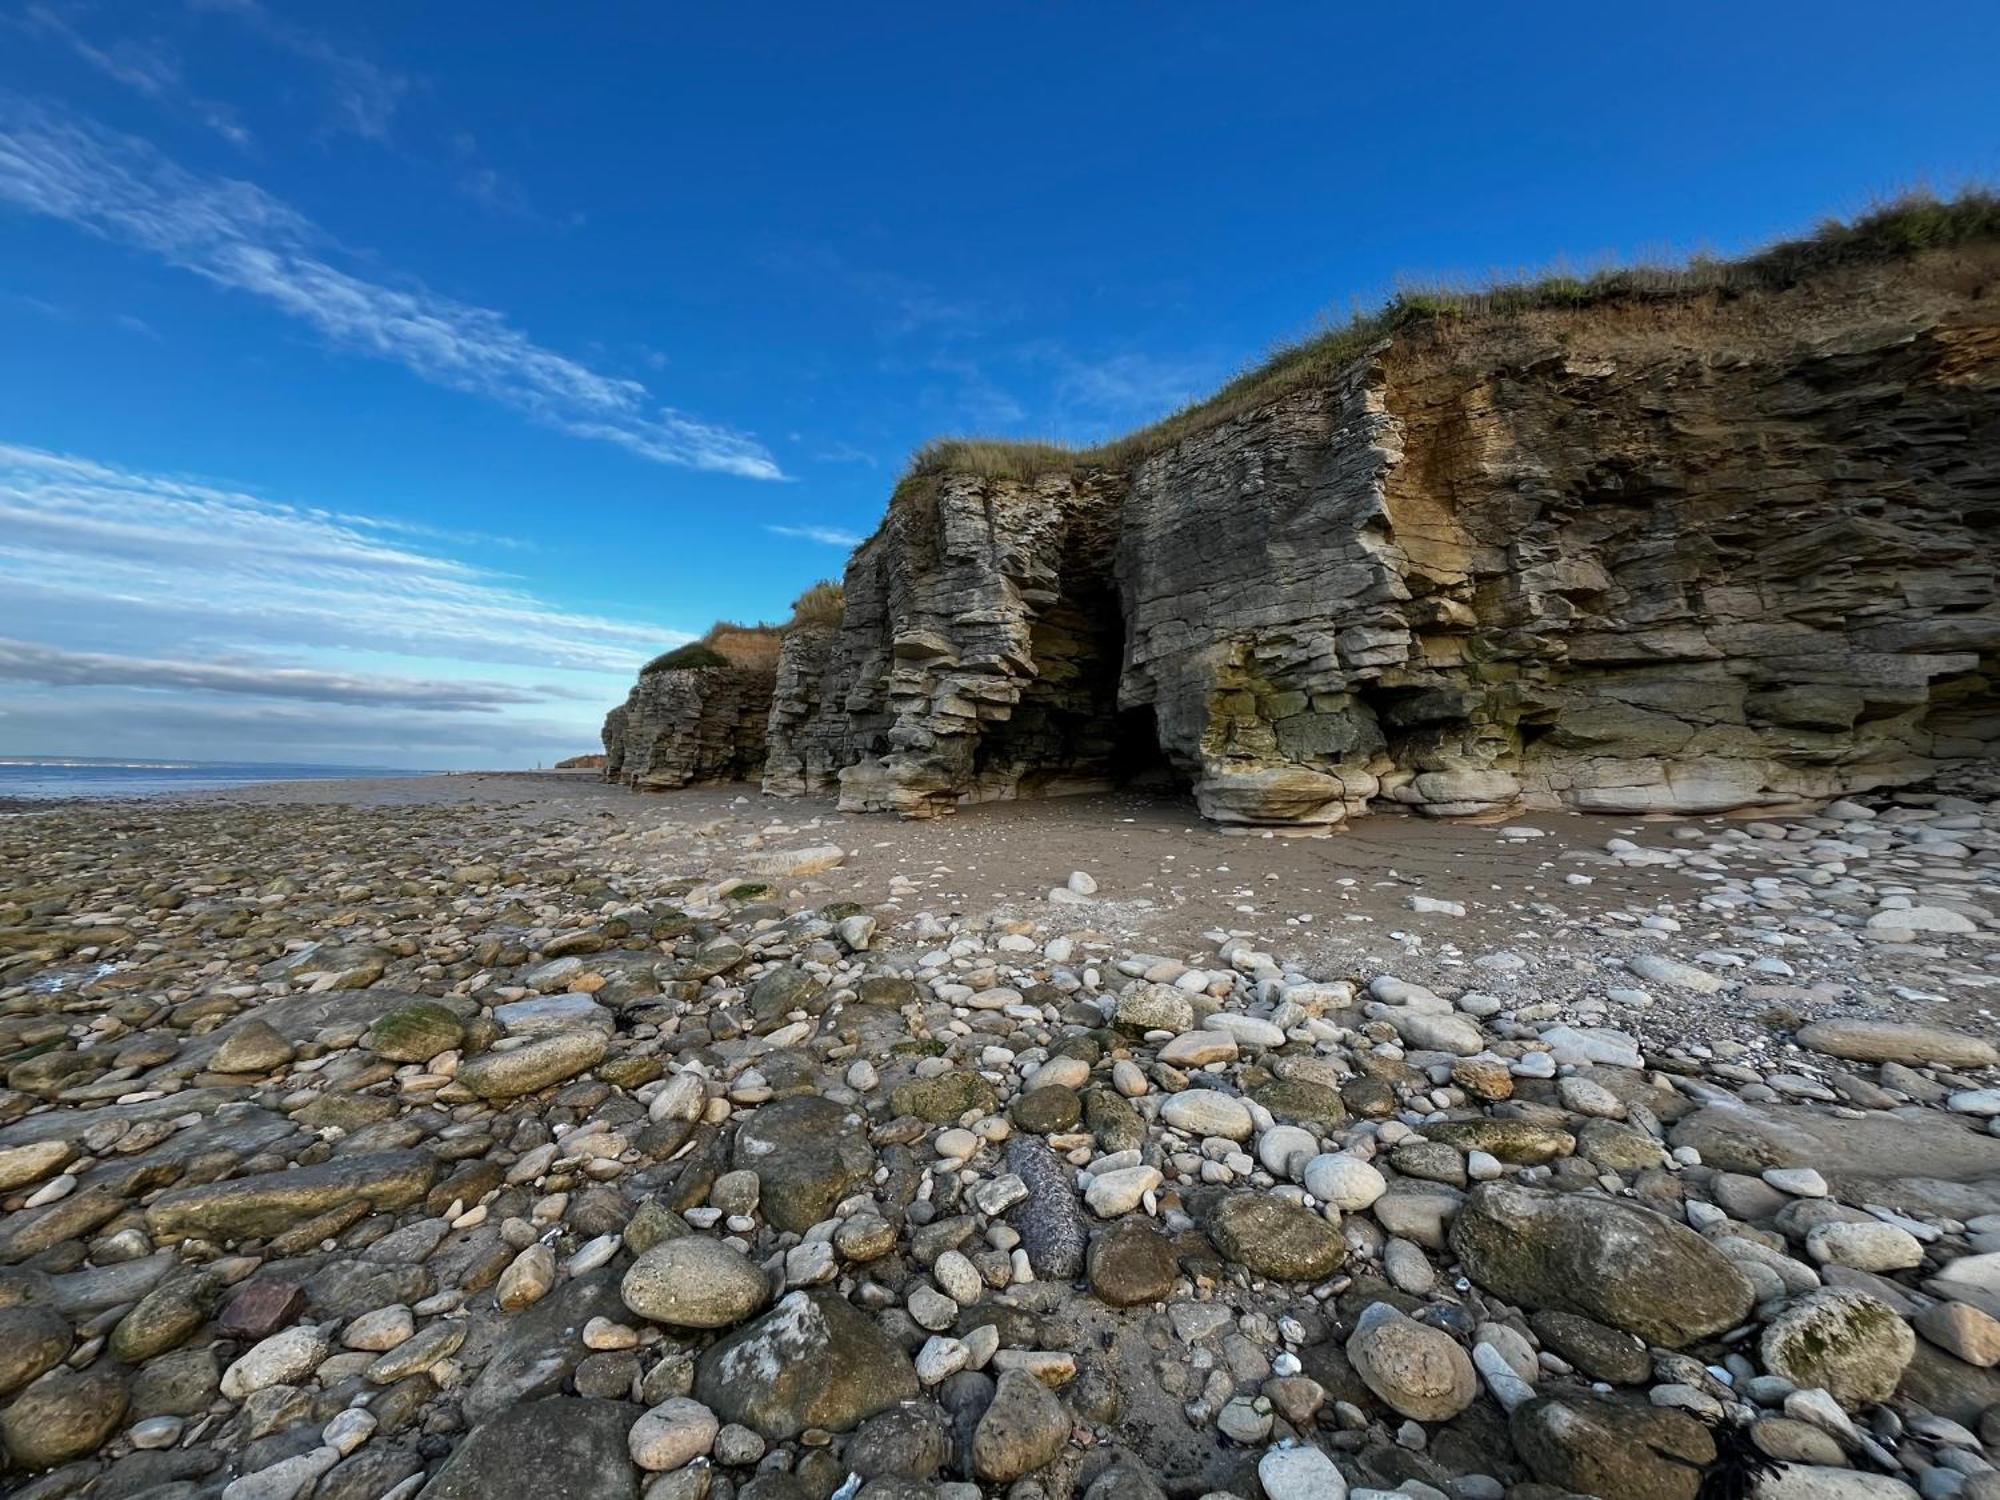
point(42, 777)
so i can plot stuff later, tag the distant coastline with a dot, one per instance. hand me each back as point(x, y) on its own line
point(41, 778)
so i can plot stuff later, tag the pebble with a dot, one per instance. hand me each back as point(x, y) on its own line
point(543, 1126)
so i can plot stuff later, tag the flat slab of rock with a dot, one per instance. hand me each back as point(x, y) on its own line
point(1657, 968)
point(1893, 1041)
point(1596, 1447)
point(271, 1202)
point(1914, 1161)
point(542, 1346)
point(550, 1015)
point(526, 1070)
point(782, 864)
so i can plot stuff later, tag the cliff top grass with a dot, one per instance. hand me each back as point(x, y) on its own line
point(726, 644)
point(1906, 227)
point(818, 605)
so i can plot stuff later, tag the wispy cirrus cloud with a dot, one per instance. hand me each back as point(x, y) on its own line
point(53, 666)
point(235, 235)
point(149, 68)
point(828, 536)
point(169, 615)
point(365, 96)
point(89, 546)
point(1129, 387)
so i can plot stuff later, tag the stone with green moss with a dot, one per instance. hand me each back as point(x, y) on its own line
point(1521, 1142)
point(629, 1072)
point(1049, 1110)
point(653, 1223)
point(945, 1099)
point(1300, 1102)
point(415, 1032)
point(1851, 1345)
point(1599, 1258)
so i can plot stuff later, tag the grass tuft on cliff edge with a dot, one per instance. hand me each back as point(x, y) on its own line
point(818, 605)
point(1898, 230)
point(726, 644)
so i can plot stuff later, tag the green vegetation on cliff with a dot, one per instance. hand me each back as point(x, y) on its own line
point(1906, 227)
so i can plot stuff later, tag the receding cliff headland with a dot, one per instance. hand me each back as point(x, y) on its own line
point(1682, 541)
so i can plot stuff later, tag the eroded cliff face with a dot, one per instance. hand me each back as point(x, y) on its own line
point(805, 742)
point(977, 658)
point(1677, 559)
point(1673, 556)
point(687, 725)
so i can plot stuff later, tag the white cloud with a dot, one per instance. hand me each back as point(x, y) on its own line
point(83, 542)
point(158, 614)
point(846, 453)
point(365, 96)
point(826, 535)
point(52, 666)
point(238, 236)
point(152, 726)
point(1130, 387)
point(148, 68)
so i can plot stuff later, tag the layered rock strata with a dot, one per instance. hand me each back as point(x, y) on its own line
point(977, 656)
point(1658, 556)
point(803, 739)
point(682, 725)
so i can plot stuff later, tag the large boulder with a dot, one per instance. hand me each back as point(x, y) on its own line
point(695, 1282)
point(66, 1415)
point(1417, 1370)
point(814, 1360)
point(1275, 1237)
point(807, 1153)
point(1604, 1259)
point(536, 1066)
point(1898, 1042)
point(1922, 1162)
point(1023, 1429)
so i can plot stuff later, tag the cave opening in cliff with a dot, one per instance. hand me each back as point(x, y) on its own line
point(1138, 760)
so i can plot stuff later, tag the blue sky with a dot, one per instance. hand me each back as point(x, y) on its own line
point(380, 383)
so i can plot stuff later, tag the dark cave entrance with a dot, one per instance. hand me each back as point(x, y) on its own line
point(1067, 735)
point(1137, 759)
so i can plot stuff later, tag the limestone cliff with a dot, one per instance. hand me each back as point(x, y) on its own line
point(1679, 553)
point(696, 715)
point(976, 657)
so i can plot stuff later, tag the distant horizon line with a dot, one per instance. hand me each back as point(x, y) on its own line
point(123, 763)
